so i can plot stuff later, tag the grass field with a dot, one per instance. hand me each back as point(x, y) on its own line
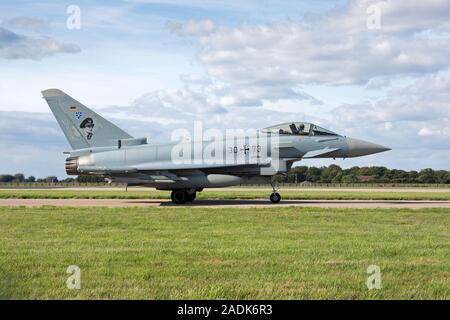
point(224, 194)
point(162, 253)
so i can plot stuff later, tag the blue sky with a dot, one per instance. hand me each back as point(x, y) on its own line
point(153, 66)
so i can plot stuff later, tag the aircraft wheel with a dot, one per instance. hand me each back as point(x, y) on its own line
point(275, 197)
point(179, 196)
point(192, 196)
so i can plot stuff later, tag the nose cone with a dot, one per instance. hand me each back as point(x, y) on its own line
point(358, 148)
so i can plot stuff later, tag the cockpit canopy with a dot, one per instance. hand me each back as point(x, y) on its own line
point(299, 129)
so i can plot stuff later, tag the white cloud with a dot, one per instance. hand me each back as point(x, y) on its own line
point(331, 50)
point(202, 95)
point(20, 127)
point(413, 15)
point(18, 46)
point(425, 131)
point(410, 117)
point(192, 28)
point(378, 83)
point(425, 99)
point(26, 23)
point(250, 65)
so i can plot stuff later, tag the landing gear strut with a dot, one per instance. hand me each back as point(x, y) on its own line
point(275, 196)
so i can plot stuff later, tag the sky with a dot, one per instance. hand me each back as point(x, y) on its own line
point(374, 70)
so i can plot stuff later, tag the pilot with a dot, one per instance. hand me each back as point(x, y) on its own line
point(301, 127)
point(88, 126)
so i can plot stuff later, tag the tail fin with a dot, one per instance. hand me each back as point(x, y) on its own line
point(82, 127)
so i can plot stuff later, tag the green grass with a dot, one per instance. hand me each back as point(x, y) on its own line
point(222, 194)
point(174, 253)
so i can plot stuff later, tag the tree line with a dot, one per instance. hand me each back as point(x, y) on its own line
point(330, 174)
point(335, 174)
point(20, 178)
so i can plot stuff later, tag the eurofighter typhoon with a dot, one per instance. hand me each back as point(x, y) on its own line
point(187, 166)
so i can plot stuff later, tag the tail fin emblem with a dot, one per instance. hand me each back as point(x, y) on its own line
point(78, 115)
point(88, 126)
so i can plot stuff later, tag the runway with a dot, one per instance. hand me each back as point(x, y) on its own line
point(250, 188)
point(262, 203)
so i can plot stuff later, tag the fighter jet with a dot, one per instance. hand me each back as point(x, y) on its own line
point(187, 166)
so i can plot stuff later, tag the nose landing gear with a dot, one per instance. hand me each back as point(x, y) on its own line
point(275, 197)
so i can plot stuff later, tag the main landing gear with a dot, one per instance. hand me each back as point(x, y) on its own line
point(275, 196)
point(182, 196)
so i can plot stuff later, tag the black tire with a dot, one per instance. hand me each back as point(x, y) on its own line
point(179, 196)
point(192, 196)
point(275, 197)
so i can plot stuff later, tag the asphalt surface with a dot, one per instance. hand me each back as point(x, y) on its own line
point(263, 203)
